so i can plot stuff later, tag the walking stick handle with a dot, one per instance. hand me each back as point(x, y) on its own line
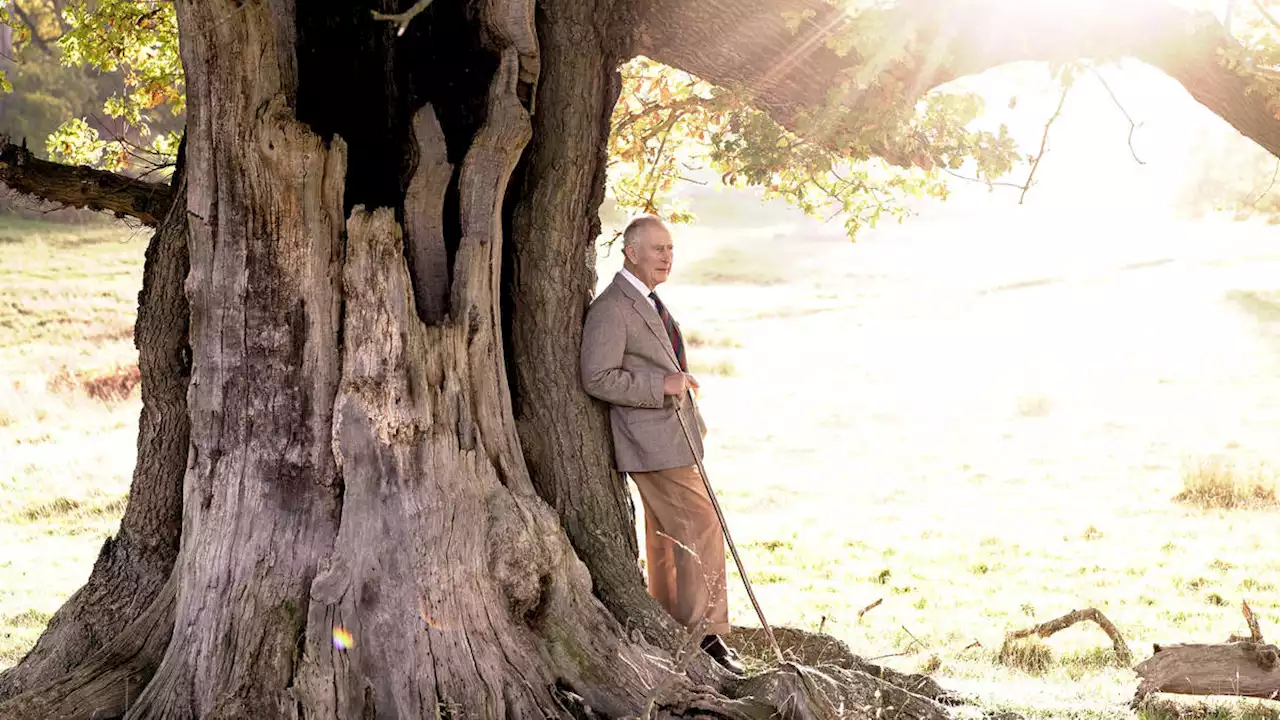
point(724, 526)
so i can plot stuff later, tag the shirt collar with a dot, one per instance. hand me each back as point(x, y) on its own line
point(635, 281)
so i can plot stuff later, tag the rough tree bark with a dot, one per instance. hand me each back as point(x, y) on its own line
point(82, 187)
point(397, 499)
point(552, 269)
point(1245, 666)
point(1244, 669)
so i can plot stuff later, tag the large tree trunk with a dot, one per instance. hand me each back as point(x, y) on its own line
point(361, 536)
point(555, 224)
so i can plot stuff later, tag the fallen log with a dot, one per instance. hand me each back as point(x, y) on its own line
point(1245, 669)
point(1242, 666)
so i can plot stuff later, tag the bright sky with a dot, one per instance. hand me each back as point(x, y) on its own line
point(1089, 159)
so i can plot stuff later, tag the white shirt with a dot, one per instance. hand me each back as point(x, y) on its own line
point(644, 289)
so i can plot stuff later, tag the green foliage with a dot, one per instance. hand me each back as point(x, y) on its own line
point(45, 94)
point(862, 156)
point(139, 40)
point(661, 126)
point(878, 141)
point(75, 60)
point(669, 125)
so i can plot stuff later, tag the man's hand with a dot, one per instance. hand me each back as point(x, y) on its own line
point(678, 384)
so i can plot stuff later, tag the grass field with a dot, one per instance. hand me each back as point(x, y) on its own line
point(68, 297)
point(984, 433)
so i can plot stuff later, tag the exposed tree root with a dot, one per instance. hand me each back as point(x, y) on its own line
point(819, 650)
point(107, 683)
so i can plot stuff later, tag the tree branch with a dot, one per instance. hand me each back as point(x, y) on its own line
point(1269, 17)
point(988, 183)
point(1267, 190)
point(403, 19)
point(747, 43)
point(1045, 629)
point(1132, 125)
point(1044, 145)
point(82, 187)
point(35, 30)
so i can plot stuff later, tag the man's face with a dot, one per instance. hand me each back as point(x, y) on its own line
point(651, 255)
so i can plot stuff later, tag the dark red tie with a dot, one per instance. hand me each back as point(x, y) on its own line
point(673, 332)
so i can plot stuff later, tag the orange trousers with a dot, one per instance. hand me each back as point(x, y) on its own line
point(684, 547)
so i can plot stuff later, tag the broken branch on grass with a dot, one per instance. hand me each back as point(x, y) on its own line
point(1132, 125)
point(869, 608)
point(890, 655)
point(1123, 653)
point(914, 639)
point(1255, 630)
point(403, 19)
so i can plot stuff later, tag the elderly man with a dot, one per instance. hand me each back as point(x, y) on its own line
point(633, 357)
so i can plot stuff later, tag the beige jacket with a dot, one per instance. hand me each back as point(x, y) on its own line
point(625, 357)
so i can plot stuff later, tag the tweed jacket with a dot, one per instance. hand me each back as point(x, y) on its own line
point(626, 354)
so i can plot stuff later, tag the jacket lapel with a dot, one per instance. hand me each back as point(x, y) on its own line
point(650, 316)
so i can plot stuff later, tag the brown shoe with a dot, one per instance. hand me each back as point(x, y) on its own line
point(723, 654)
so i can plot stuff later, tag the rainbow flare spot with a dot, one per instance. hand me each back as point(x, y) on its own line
point(342, 639)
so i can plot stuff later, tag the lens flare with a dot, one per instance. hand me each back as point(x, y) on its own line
point(342, 639)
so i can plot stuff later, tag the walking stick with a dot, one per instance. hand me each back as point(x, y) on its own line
point(725, 527)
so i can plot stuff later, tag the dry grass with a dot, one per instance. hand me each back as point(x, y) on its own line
point(730, 265)
point(869, 443)
point(701, 366)
point(1264, 306)
point(708, 339)
point(1221, 708)
point(1034, 406)
point(1219, 483)
point(111, 384)
point(1029, 655)
point(68, 410)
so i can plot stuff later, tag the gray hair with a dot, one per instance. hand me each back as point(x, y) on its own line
point(638, 225)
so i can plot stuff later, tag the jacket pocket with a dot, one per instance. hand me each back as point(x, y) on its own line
point(643, 417)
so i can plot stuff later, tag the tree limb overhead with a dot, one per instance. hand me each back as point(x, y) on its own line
point(82, 187)
point(926, 43)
